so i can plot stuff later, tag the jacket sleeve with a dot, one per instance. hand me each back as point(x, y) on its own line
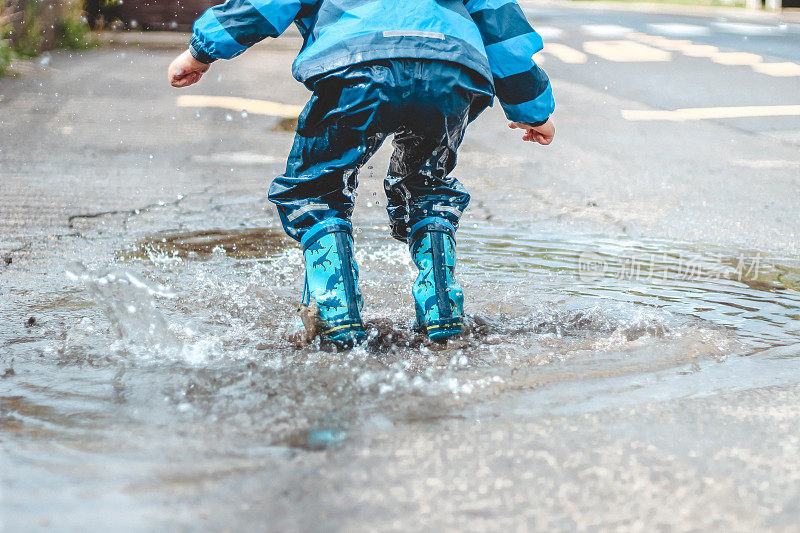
point(226, 30)
point(521, 86)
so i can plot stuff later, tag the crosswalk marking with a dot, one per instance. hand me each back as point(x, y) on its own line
point(255, 107)
point(699, 50)
point(783, 69)
point(676, 28)
point(736, 58)
point(606, 30)
point(645, 47)
point(779, 70)
point(661, 42)
point(549, 32)
point(705, 113)
point(565, 53)
point(625, 51)
point(766, 163)
point(746, 28)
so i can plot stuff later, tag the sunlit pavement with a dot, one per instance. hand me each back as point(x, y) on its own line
point(673, 131)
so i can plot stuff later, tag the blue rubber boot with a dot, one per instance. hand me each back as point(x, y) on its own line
point(332, 281)
point(438, 298)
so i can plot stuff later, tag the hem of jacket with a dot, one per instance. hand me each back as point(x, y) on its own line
point(311, 68)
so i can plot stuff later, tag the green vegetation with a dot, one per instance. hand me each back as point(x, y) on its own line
point(6, 55)
point(43, 30)
point(73, 33)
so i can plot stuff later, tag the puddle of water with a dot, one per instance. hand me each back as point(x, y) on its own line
point(241, 244)
point(753, 294)
point(194, 340)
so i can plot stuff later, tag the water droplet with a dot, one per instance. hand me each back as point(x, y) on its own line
point(228, 117)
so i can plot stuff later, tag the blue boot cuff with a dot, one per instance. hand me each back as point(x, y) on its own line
point(431, 224)
point(324, 227)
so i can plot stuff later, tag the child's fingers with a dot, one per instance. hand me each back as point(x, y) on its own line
point(177, 81)
point(186, 80)
point(183, 82)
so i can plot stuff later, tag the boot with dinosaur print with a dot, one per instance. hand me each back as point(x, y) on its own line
point(438, 298)
point(332, 281)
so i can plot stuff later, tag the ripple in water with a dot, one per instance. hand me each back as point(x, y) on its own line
point(225, 343)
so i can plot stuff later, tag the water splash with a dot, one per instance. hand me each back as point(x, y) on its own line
point(129, 304)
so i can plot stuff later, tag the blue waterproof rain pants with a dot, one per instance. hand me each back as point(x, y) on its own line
point(425, 104)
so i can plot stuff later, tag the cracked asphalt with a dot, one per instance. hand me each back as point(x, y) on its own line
point(606, 427)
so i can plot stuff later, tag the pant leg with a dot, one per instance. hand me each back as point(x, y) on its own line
point(339, 129)
point(418, 184)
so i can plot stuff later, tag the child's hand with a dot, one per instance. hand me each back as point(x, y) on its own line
point(541, 134)
point(185, 70)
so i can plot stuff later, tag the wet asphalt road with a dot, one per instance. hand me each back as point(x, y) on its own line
point(96, 154)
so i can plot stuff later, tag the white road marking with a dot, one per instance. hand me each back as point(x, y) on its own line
point(661, 42)
point(783, 69)
point(565, 53)
point(237, 158)
point(625, 51)
point(705, 113)
point(765, 163)
point(606, 30)
point(700, 50)
point(675, 28)
point(780, 70)
point(746, 28)
point(784, 136)
point(252, 106)
point(736, 58)
point(549, 32)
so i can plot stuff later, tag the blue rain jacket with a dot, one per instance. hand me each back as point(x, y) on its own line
point(491, 37)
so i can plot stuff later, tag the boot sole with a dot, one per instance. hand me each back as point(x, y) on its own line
point(345, 334)
point(443, 329)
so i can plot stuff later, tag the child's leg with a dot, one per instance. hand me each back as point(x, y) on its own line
point(434, 119)
point(425, 203)
point(339, 129)
point(418, 185)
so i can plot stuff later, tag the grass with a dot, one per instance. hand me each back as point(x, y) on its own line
point(72, 33)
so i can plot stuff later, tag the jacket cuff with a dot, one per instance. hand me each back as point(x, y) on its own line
point(536, 124)
point(197, 52)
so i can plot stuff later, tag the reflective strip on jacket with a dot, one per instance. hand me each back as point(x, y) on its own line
point(491, 37)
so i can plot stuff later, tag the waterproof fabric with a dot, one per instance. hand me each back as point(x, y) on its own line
point(426, 104)
point(491, 37)
point(332, 280)
point(438, 298)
